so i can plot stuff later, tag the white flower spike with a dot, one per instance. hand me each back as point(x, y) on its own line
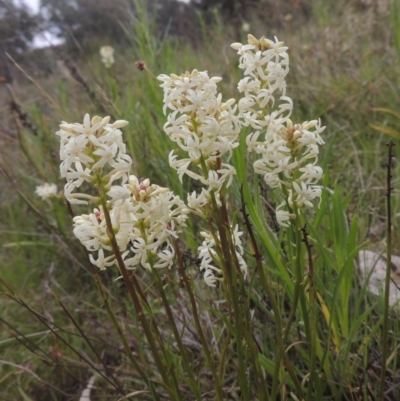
point(288, 152)
point(205, 127)
point(90, 152)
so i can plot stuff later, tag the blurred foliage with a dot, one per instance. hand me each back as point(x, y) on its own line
point(82, 20)
point(88, 21)
point(276, 13)
point(17, 28)
point(81, 23)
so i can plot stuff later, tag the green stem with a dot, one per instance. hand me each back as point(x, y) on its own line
point(299, 272)
point(122, 337)
point(385, 328)
point(114, 320)
point(133, 289)
point(313, 318)
point(207, 352)
point(281, 354)
point(281, 347)
point(297, 266)
point(230, 280)
point(297, 285)
point(171, 319)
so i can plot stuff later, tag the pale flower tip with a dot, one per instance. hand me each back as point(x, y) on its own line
point(66, 127)
point(252, 40)
point(106, 120)
point(106, 51)
point(120, 124)
point(97, 119)
point(264, 43)
point(236, 46)
point(133, 181)
point(216, 79)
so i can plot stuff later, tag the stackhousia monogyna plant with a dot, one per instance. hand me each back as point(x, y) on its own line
point(136, 224)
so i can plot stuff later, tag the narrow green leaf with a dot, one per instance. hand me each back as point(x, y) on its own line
point(386, 130)
point(388, 111)
point(26, 243)
point(24, 395)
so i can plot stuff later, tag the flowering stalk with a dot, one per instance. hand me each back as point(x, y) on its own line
point(133, 292)
point(113, 318)
point(288, 156)
point(137, 220)
point(195, 125)
point(207, 129)
point(288, 152)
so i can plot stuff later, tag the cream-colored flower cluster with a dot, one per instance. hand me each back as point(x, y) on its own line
point(210, 264)
point(207, 129)
point(46, 191)
point(107, 55)
point(92, 152)
point(203, 126)
point(288, 152)
point(144, 217)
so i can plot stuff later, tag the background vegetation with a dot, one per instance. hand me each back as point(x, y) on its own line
point(345, 59)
